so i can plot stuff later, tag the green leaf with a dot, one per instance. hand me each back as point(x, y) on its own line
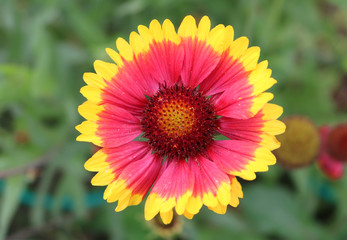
point(14, 187)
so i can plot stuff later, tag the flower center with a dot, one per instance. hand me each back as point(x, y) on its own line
point(179, 122)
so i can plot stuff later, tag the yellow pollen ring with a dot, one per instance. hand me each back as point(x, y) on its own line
point(176, 118)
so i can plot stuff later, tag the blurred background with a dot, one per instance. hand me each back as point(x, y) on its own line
point(47, 45)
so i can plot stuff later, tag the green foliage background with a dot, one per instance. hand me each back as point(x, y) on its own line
point(47, 45)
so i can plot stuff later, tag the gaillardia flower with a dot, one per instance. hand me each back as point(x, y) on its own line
point(300, 143)
point(161, 111)
point(330, 162)
point(337, 142)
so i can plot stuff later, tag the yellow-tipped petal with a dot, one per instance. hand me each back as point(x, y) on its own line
point(109, 189)
point(117, 189)
point(229, 36)
point(223, 193)
point(188, 27)
point(265, 155)
point(220, 208)
point(260, 80)
point(152, 206)
point(89, 110)
point(169, 32)
point(115, 56)
point(188, 215)
point(257, 166)
point(103, 178)
point(145, 34)
point(274, 127)
point(271, 111)
point(204, 28)
point(155, 29)
point(245, 174)
point(216, 38)
point(236, 188)
point(89, 138)
point(125, 49)
point(94, 80)
point(168, 204)
point(87, 128)
point(166, 217)
point(209, 200)
point(135, 199)
point(137, 43)
point(182, 202)
point(97, 162)
point(262, 159)
point(194, 205)
point(250, 58)
point(88, 133)
point(234, 201)
point(238, 47)
point(236, 193)
point(93, 94)
point(269, 141)
point(123, 201)
point(105, 69)
point(260, 101)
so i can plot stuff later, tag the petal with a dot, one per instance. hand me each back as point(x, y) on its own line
point(94, 80)
point(138, 44)
point(217, 38)
point(156, 31)
point(238, 47)
point(118, 157)
point(211, 187)
point(90, 111)
point(225, 73)
point(202, 49)
point(236, 191)
point(138, 178)
point(188, 27)
point(106, 70)
point(115, 56)
point(125, 50)
point(235, 103)
point(259, 129)
point(91, 93)
point(117, 126)
point(128, 88)
point(332, 167)
point(128, 170)
point(235, 194)
point(172, 189)
point(166, 216)
point(260, 78)
point(239, 76)
point(204, 28)
point(250, 58)
point(89, 133)
point(164, 62)
point(241, 158)
point(199, 61)
point(169, 32)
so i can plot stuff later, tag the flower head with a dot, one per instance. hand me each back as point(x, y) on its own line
point(333, 167)
point(159, 111)
point(299, 144)
point(337, 142)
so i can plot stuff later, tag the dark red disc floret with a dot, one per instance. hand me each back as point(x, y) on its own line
point(179, 122)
